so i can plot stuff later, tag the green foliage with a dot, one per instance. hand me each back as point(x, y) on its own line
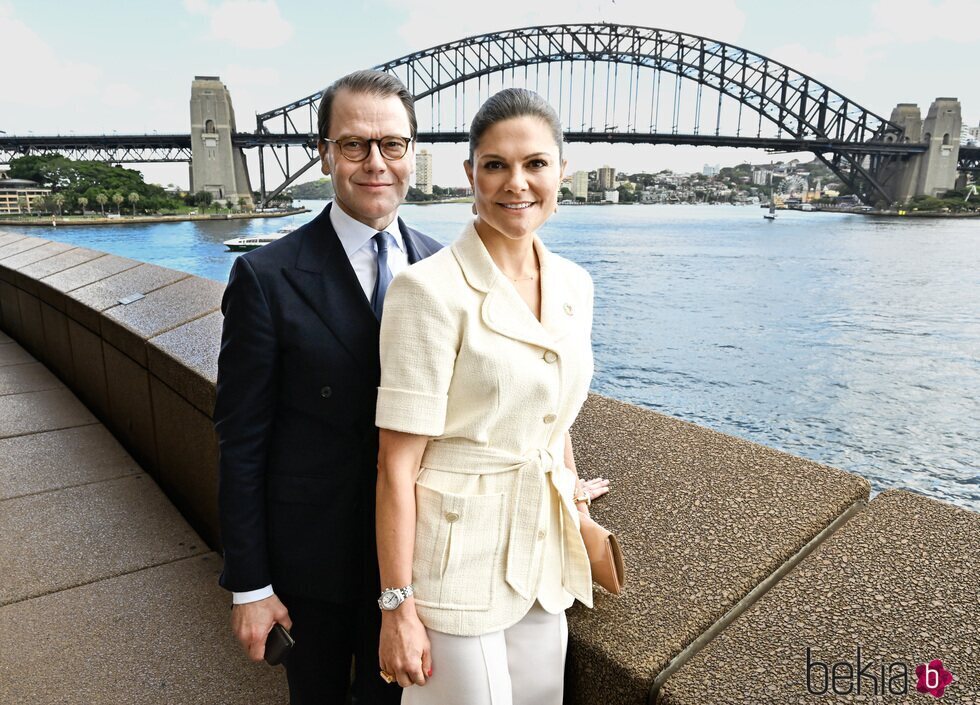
point(203, 199)
point(88, 179)
point(319, 190)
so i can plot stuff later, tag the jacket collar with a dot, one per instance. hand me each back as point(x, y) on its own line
point(503, 310)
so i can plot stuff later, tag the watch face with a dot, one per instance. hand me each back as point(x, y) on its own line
point(390, 600)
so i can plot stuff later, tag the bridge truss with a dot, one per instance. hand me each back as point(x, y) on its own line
point(619, 83)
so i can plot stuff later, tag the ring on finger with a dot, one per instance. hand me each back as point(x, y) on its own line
point(386, 677)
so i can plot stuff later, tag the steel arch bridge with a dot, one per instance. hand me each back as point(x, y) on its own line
point(621, 83)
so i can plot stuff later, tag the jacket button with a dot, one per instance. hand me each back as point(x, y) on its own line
point(568, 309)
point(550, 356)
point(451, 517)
point(325, 392)
point(541, 534)
point(550, 418)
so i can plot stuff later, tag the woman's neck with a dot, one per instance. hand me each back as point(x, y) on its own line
point(515, 258)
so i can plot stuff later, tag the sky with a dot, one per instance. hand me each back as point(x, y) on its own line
point(126, 66)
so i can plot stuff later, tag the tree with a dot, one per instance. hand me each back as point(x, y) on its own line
point(118, 199)
point(243, 204)
point(566, 194)
point(59, 200)
point(82, 202)
point(203, 199)
point(23, 204)
point(133, 199)
point(101, 199)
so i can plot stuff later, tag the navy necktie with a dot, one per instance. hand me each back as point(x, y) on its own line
point(384, 274)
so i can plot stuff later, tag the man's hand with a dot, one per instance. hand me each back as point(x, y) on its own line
point(253, 621)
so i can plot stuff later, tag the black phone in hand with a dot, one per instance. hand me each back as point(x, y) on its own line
point(277, 645)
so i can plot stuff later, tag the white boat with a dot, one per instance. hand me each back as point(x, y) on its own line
point(244, 244)
point(771, 215)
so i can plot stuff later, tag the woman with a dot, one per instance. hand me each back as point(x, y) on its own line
point(486, 360)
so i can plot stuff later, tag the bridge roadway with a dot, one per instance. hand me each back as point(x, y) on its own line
point(739, 557)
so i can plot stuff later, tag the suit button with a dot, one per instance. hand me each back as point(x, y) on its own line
point(325, 392)
point(568, 309)
point(550, 356)
point(550, 418)
point(452, 517)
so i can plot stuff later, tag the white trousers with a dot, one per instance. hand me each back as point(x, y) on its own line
point(521, 665)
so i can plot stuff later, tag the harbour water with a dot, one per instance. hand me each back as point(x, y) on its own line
point(850, 340)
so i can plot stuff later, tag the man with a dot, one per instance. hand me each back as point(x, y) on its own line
point(297, 384)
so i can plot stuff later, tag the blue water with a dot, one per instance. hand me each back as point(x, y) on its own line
point(849, 340)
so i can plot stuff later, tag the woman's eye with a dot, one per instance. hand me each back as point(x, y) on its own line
point(538, 163)
point(493, 165)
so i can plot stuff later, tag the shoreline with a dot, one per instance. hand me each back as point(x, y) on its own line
point(54, 221)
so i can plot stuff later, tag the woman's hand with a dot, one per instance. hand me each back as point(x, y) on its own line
point(587, 491)
point(404, 649)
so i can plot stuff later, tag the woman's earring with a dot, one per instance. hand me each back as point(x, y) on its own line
point(473, 207)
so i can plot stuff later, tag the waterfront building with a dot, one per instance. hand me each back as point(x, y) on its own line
point(761, 177)
point(611, 196)
point(423, 171)
point(580, 185)
point(19, 195)
point(606, 177)
point(710, 170)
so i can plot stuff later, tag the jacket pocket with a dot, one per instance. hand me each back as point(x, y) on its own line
point(458, 546)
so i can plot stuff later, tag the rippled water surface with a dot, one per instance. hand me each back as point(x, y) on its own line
point(846, 339)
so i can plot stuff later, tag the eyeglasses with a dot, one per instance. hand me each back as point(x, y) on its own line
point(357, 149)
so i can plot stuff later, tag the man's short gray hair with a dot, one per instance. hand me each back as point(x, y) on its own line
point(375, 83)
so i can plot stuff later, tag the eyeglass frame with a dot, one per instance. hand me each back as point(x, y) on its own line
point(370, 143)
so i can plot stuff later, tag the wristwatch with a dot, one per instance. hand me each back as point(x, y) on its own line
point(391, 598)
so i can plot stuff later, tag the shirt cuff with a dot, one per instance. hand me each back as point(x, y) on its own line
point(411, 412)
point(243, 598)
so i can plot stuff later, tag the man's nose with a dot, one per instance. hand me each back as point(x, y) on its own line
point(374, 161)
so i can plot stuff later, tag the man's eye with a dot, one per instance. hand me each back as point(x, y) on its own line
point(392, 143)
point(352, 144)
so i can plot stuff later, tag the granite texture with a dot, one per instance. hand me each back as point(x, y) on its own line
point(88, 533)
point(40, 462)
point(901, 580)
point(186, 359)
point(7, 238)
point(33, 412)
point(187, 459)
point(702, 518)
point(27, 257)
point(85, 303)
point(29, 377)
point(13, 354)
point(57, 344)
point(60, 262)
point(128, 327)
point(83, 274)
point(158, 636)
point(17, 245)
point(88, 368)
point(130, 415)
point(4, 338)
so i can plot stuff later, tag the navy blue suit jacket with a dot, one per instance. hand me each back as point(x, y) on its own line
point(297, 385)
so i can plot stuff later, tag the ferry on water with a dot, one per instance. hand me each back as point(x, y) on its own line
point(245, 244)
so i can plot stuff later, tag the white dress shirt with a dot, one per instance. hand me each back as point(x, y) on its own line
point(362, 251)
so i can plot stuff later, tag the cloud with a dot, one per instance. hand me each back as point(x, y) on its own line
point(44, 80)
point(915, 21)
point(249, 24)
point(718, 19)
point(121, 95)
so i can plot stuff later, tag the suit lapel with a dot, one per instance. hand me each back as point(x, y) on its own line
point(415, 247)
point(324, 278)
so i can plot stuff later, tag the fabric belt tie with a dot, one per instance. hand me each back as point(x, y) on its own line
point(536, 473)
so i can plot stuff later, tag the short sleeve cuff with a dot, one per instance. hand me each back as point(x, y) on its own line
point(411, 412)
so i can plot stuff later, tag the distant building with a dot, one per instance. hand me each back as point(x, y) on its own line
point(611, 196)
point(19, 195)
point(580, 185)
point(761, 177)
point(606, 176)
point(423, 171)
point(710, 170)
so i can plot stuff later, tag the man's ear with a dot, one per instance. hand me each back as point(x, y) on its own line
point(321, 147)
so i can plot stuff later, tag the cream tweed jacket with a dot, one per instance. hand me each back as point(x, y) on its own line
point(464, 361)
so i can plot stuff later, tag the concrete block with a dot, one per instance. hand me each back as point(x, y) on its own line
point(130, 413)
point(186, 359)
point(158, 636)
point(187, 452)
point(82, 275)
point(19, 245)
point(900, 580)
point(703, 518)
point(13, 354)
point(86, 302)
point(33, 412)
point(88, 368)
point(60, 262)
point(32, 377)
point(57, 344)
point(61, 539)
point(128, 327)
point(10, 306)
point(31, 326)
point(40, 462)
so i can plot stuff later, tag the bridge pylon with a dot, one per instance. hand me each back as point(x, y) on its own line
point(934, 171)
point(217, 165)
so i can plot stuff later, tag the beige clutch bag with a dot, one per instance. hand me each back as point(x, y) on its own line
point(604, 555)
